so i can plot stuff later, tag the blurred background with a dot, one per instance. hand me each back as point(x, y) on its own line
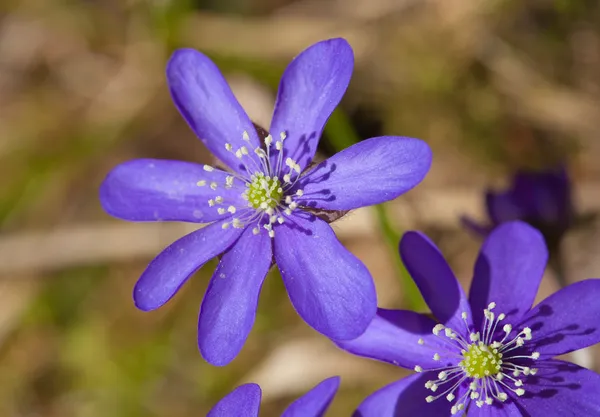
point(493, 86)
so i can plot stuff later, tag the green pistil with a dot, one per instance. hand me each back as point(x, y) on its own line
point(264, 192)
point(481, 360)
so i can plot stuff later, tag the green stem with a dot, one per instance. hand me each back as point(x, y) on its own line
point(342, 135)
point(411, 295)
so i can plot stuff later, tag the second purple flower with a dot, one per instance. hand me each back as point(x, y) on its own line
point(262, 209)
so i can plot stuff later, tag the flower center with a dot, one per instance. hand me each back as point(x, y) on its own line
point(264, 191)
point(481, 360)
point(485, 367)
point(269, 181)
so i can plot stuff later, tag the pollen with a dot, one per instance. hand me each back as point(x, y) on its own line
point(481, 361)
point(264, 192)
point(489, 361)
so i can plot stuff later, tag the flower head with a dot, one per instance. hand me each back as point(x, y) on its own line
point(262, 209)
point(540, 198)
point(244, 401)
point(491, 354)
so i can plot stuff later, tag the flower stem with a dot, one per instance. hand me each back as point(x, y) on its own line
point(341, 136)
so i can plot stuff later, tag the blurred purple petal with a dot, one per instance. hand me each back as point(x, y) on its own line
point(502, 207)
point(508, 271)
point(311, 87)
point(316, 401)
point(393, 337)
point(541, 198)
point(205, 100)
point(476, 227)
point(229, 307)
point(329, 287)
point(370, 172)
point(405, 397)
point(155, 189)
point(436, 281)
point(567, 320)
point(544, 195)
point(244, 401)
point(174, 265)
point(561, 389)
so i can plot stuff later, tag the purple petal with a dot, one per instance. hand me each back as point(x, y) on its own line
point(229, 307)
point(474, 226)
point(316, 401)
point(370, 172)
point(502, 207)
point(567, 320)
point(311, 87)
point(329, 287)
point(244, 401)
point(561, 389)
point(393, 337)
point(497, 409)
point(436, 281)
point(508, 271)
point(544, 195)
point(405, 397)
point(204, 99)
point(154, 189)
point(174, 265)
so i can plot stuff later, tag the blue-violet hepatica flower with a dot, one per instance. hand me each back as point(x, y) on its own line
point(244, 401)
point(541, 198)
point(491, 354)
point(261, 209)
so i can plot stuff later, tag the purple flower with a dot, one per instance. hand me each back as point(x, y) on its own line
point(540, 198)
point(264, 209)
point(244, 401)
point(491, 354)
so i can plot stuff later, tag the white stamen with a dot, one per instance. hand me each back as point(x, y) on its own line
point(268, 190)
point(487, 365)
point(437, 329)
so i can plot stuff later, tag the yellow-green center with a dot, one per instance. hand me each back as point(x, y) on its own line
point(264, 192)
point(481, 361)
